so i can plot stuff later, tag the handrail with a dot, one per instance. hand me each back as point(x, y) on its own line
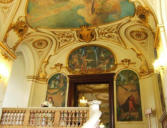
point(54, 117)
point(44, 117)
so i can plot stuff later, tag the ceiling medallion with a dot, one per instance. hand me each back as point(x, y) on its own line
point(138, 35)
point(40, 44)
point(6, 1)
point(86, 34)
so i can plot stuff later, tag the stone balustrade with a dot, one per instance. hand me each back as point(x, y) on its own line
point(61, 117)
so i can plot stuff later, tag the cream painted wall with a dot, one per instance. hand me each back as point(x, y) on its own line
point(6, 66)
point(16, 90)
point(38, 94)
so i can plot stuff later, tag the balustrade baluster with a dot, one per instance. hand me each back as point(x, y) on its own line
point(68, 117)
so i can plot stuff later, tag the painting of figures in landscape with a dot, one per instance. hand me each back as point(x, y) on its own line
point(91, 59)
point(75, 13)
point(57, 89)
point(128, 96)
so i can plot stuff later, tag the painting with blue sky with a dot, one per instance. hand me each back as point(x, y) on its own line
point(75, 13)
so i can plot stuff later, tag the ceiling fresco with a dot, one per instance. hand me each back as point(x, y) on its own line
point(75, 13)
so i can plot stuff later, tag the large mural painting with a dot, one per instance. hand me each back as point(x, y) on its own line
point(91, 59)
point(57, 85)
point(74, 13)
point(128, 96)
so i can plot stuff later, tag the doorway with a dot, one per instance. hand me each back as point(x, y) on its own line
point(94, 87)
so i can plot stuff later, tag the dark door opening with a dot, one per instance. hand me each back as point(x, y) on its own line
point(94, 87)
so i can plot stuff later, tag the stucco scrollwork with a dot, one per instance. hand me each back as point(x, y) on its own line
point(64, 38)
point(112, 32)
point(109, 32)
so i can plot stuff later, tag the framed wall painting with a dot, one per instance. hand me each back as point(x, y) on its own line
point(128, 96)
point(57, 85)
point(91, 59)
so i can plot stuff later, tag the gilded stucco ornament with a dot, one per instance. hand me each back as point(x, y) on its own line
point(20, 28)
point(110, 33)
point(126, 62)
point(40, 77)
point(86, 34)
point(40, 44)
point(142, 13)
point(57, 67)
point(64, 38)
point(144, 68)
point(138, 35)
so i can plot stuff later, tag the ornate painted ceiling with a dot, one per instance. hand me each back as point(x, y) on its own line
point(52, 28)
point(74, 13)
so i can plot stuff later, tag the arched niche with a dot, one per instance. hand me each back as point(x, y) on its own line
point(57, 86)
point(128, 96)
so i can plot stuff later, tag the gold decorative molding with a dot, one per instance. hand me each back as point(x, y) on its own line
point(126, 62)
point(6, 1)
point(10, 53)
point(86, 34)
point(157, 40)
point(64, 38)
point(37, 78)
point(57, 67)
point(138, 35)
point(142, 13)
point(40, 44)
point(144, 68)
point(21, 28)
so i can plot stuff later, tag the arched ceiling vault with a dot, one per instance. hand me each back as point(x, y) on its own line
point(128, 24)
